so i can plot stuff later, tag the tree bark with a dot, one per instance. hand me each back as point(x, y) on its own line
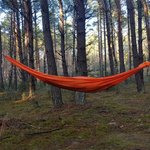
point(18, 39)
point(100, 46)
point(73, 43)
point(139, 2)
point(129, 43)
point(112, 38)
point(109, 39)
point(81, 49)
point(1, 75)
point(11, 51)
point(14, 50)
point(120, 39)
point(140, 30)
point(105, 56)
point(56, 92)
point(29, 44)
point(147, 22)
point(36, 40)
point(136, 62)
point(25, 43)
point(44, 62)
point(64, 64)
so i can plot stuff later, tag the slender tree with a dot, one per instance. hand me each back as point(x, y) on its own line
point(147, 22)
point(56, 92)
point(140, 40)
point(100, 46)
point(105, 55)
point(112, 36)
point(1, 75)
point(14, 49)
point(120, 37)
point(109, 38)
point(64, 64)
point(73, 44)
point(11, 51)
point(18, 37)
point(136, 62)
point(29, 43)
point(129, 42)
point(139, 2)
point(25, 40)
point(79, 6)
point(36, 39)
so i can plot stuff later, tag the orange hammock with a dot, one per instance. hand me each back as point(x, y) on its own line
point(81, 84)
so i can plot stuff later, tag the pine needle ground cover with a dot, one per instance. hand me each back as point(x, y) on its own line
point(117, 119)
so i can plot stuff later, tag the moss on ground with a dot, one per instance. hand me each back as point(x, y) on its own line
point(112, 119)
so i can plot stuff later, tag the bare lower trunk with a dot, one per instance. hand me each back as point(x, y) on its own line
point(73, 55)
point(81, 53)
point(56, 92)
point(100, 47)
point(1, 75)
point(29, 34)
point(64, 64)
point(11, 51)
point(109, 39)
point(14, 47)
point(105, 56)
point(138, 77)
point(147, 22)
point(129, 43)
point(37, 63)
point(18, 40)
point(112, 39)
point(120, 37)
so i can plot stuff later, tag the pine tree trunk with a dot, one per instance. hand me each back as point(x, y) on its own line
point(56, 92)
point(105, 56)
point(18, 40)
point(64, 64)
point(55, 46)
point(147, 22)
point(1, 75)
point(11, 51)
point(25, 43)
point(136, 62)
point(120, 37)
point(80, 97)
point(73, 43)
point(129, 42)
point(5, 69)
point(109, 39)
point(14, 47)
point(100, 46)
point(139, 2)
point(36, 40)
point(44, 62)
point(112, 39)
point(28, 14)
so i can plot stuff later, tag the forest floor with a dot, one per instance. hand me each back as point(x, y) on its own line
point(115, 119)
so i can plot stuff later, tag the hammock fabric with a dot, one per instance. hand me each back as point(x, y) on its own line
point(81, 84)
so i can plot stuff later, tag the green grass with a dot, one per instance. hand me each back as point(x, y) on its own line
point(115, 119)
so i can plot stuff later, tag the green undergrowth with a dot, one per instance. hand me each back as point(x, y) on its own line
point(115, 119)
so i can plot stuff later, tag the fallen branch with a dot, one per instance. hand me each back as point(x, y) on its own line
point(24, 100)
point(43, 132)
point(3, 138)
